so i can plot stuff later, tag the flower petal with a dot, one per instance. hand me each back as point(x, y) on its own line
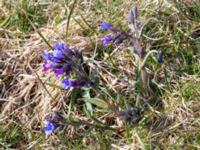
point(66, 83)
point(60, 46)
point(46, 55)
point(49, 128)
point(58, 54)
point(105, 25)
point(59, 71)
point(46, 66)
point(106, 40)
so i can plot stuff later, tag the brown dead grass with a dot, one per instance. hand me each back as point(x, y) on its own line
point(24, 100)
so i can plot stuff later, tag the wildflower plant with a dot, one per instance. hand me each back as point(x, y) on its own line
point(133, 114)
point(67, 63)
point(138, 50)
point(146, 92)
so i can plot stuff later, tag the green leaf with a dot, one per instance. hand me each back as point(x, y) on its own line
point(86, 95)
point(98, 102)
point(145, 58)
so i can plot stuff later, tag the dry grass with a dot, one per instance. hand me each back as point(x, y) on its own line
point(170, 123)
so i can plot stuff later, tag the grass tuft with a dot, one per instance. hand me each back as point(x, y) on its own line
point(27, 94)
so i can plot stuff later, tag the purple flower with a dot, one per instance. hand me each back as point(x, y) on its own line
point(49, 127)
point(160, 57)
point(46, 66)
point(53, 121)
point(66, 83)
point(66, 62)
point(59, 71)
point(107, 39)
point(62, 59)
point(105, 26)
point(117, 37)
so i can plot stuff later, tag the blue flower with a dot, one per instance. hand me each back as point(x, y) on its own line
point(117, 39)
point(66, 83)
point(58, 54)
point(107, 39)
point(55, 60)
point(160, 57)
point(49, 127)
point(60, 46)
point(105, 26)
point(46, 55)
point(53, 121)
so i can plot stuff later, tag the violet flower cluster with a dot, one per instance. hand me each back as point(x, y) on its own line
point(66, 62)
point(118, 36)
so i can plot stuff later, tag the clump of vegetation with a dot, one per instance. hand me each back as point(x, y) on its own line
point(121, 74)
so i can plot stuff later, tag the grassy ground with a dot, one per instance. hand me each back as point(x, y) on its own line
point(171, 112)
